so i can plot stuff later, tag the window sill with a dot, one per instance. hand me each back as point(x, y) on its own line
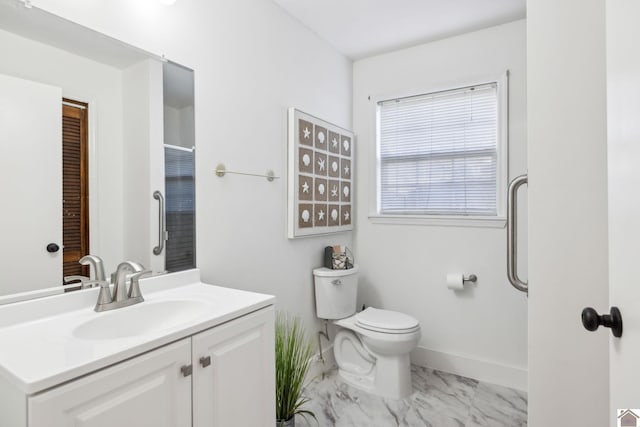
point(439, 221)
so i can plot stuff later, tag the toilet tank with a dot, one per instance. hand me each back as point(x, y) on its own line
point(336, 292)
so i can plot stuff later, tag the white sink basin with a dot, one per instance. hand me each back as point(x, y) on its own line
point(78, 341)
point(143, 318)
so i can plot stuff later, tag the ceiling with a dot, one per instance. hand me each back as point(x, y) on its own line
point(361, 28)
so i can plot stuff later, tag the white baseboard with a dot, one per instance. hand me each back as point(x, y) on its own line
point(482, 370)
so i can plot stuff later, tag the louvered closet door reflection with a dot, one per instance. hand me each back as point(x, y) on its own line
point(75, 221)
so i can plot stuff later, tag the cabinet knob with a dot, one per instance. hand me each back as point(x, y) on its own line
point(205, 361)
point(186, 370)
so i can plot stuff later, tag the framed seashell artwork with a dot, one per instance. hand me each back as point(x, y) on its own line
point(320, 176)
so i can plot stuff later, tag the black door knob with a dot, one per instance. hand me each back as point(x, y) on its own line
point(591, 320)
point(52, 247)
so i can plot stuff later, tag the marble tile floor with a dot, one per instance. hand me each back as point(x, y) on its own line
point(439, 399)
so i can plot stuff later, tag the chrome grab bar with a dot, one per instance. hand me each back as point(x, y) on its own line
point(162, 232)
point(512, 238)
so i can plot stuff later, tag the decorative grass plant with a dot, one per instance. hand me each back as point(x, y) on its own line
point(293, 357)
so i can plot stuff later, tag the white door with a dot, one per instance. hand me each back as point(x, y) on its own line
point(30, 161)
point(234, 373)
point(623, 123)
point(147, 391)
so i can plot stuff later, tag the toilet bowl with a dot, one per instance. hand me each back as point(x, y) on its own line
point(376, 360)
point(371, 347)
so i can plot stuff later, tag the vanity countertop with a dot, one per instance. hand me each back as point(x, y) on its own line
point(45, 342)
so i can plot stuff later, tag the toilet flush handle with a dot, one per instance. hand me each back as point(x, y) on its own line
point(336, 282)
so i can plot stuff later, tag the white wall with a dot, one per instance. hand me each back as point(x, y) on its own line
point(252, 61)
point(567, 152)
point(100, 85)
point(482, 331)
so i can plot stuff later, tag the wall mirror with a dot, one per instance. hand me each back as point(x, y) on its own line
point(90, 129)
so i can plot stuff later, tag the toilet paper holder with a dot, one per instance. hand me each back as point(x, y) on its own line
point(469, 278)
point(456, 281)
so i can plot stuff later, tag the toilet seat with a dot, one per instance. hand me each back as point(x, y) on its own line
point(386, 321)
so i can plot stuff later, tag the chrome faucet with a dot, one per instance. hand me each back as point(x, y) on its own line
point(128, 270)
point(98, 273)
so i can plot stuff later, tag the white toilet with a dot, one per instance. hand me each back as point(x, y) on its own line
point(372, 347)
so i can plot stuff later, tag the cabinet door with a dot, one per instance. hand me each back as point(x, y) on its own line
point(237, 388)
point(146, 391)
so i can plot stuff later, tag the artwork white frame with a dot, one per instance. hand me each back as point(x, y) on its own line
point(313, 176)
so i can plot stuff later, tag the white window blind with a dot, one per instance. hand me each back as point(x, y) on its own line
point(438, 153)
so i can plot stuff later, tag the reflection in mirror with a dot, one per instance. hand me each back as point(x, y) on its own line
point(81, 120)
point(179, 166)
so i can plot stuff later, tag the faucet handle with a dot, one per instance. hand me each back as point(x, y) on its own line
point(97, 264)
point(134, 287)
point(122, 274)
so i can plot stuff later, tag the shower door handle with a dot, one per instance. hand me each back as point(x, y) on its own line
point(162, 231)
point(512, 238)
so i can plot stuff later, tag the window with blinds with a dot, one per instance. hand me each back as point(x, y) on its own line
point(438, 153)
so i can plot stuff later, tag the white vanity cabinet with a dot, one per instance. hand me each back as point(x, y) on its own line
point(222, 377)
point(146, 391)
point(234, 372)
